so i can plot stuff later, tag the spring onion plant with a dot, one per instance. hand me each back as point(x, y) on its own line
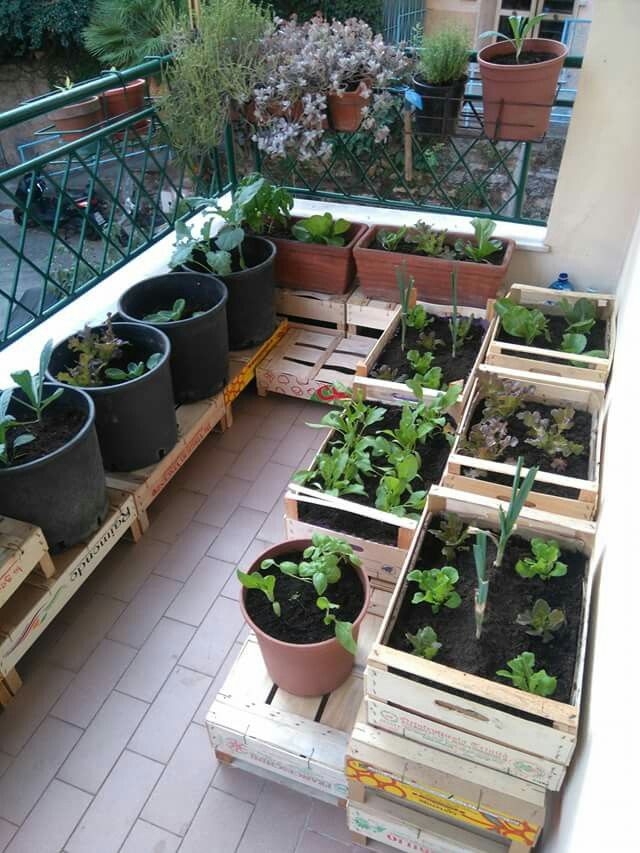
point(482, 590)
point(406, 288)
point(508, 519)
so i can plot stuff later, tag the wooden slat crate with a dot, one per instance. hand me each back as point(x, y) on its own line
point(23, 549)
point(243, 364)
point(549, 362)
point(366, 313)
point(584, 396)
point(483, 723)
point(312, 364)
point(325, 309)
point(300, 742)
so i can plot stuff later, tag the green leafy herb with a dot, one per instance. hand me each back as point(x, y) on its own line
point(437, 587)
point(580, 316)
point(548, 435)
point(541, 621)
point(524, 677)
point(390, 240)
point(8, 422)
point(483, 247)
point(453, 533)
point(425, 643)
point(521, 322)
point(322, 228)
point(134, 369)
point(264, 583)
point(544, 563)
point(521, 26)
point(33, 385)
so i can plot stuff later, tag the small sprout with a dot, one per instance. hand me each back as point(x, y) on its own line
point(265, 583)
point(419, 319)
point(580, 316)
point(559, 465)
point(134, 369)
point(482, 590)
point(521, 322)
point(524, 677)
point(437, 587)
point(521, 26)
point(387, 373)
point(425, 643)
point(453, 532)
point(172, 314)
point(544, 563)
point(542, 621)
point(428, 341)
point(548, 435)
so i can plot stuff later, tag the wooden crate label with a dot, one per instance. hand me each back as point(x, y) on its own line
point(158, 483)
point(10, 574)
point(444, 803)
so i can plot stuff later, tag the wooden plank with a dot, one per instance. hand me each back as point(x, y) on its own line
point(22, 549)
point(368, 313)
point(321, 307)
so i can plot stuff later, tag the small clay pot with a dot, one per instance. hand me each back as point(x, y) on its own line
point(345, 109)
point(75, 120)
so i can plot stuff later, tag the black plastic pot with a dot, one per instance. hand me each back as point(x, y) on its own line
point(199, 345)
point(135, 420)
point(63, 492)
point(440, 107)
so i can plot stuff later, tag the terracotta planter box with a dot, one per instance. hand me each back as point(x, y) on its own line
point(314, 266)
point(476, 282)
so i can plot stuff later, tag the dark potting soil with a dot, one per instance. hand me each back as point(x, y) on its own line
point(577, 465)
point(509, 595)
point(596, 339)
point(405, 248)
point(527, 57)
point(300, 620)
point(434, 457)
point(452, 369)
point(54, 431)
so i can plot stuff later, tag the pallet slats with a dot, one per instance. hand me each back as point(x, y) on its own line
point(23, 549)
point(363, 312)
point(324, 308)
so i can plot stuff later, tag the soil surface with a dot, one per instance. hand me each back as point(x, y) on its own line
point(301, 621)
point(527, 57)
point(405, 248)
point(434, 457)
point(596, 339)
point(509, 595)
point(58, 426)
point(452, 369)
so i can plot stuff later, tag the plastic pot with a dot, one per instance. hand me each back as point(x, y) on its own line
point(135, 420)
point(63, 492)
point(345, 109)
point(440, 107)
point(75, 120)
point(305, 670)
point(199, 345)
point(517, 99)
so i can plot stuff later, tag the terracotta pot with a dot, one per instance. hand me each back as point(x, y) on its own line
point(274, 109)
point(345, 110)
point(305, 670)
point(122, 100)
point(477, 282)
point(517, 99)
point(314, 266)
point(75, 120)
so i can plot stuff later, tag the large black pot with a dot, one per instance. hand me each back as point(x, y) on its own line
point(135, 420)
point(440, 107)
point(251, 309)
point(63, 492)
point(199, 345)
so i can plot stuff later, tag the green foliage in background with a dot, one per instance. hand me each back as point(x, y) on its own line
point(29, 25)
point(369, 10)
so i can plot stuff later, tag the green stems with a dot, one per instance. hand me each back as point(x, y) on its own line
point(454, 321)
point(482, 590)
point(405, 288)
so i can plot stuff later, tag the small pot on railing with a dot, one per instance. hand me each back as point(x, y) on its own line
point(125, 99)
point(75, 120)
point(345, 108)
point(441, 105)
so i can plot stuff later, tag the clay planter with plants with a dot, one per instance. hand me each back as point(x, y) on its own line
point(126, 99)
point(482, 649)
point(345, 108)
point(75, 120)
point(441, 79)
point(51, 472)
point(431, 256)
point(305, 599)
point(124, 368)
point(190, 308)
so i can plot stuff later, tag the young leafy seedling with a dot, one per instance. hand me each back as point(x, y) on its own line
point(544, 563)
point(521, 322)
point(418, 318)
point(321, 228)
point(406, 290)
point(488, 439)
point(502, 398)
point(576, 343)
point(541, 621)
point(524, 677)
point(483, 247)
point(171, 315)
point(33, 385)
point(482, 590)
point(95, 349)
point(8, 422)
point(264, 583)
point(548, 435)
point(428, 341)
point(437, 587)
point(453, 533)
point(521, 26)
point(391, 240)
point(134, 369)
point(428, 240)
point(425, 643)
point(580, 316)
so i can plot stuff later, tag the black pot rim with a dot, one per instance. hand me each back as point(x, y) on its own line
point(68, 446)
point(111, 389)
point(259, 266)
point(176, 324)
point(422, 82)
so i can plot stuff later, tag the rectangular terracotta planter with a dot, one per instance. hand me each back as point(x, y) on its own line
point(476, 282)
point(314, 266)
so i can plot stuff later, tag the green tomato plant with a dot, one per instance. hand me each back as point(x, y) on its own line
point(523, 675)
point(425, 642)
point(544, 562)
point(436, 587)
point(541, 621)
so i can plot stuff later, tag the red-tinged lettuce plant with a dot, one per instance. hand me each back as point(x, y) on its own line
point(502, 398)
point(541, 621)
point(489, 439)
point(548, 435)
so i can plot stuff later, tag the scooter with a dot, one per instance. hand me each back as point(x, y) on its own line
point(76, 205)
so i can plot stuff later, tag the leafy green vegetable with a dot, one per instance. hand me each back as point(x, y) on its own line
point(390, 240)
point(134, 369)
point(437, 587)
point(33, 385)
point(428, 240)
point(321, 228)
point(8, 422)
point(524, 677)
point(484, 246)
point(171, 315)
point(453, 533)
point(544, 563)
point(425, 643)
point(392, 488)
point(264, 583)
point(541, 621)
point(418, 318)
point(488, 439)
point(95, 348)
point(428, 341)
point(521, 322)
point(338, 472)
point(548, 435)
point(269, 208)
point(580, 316)
point(502, 398)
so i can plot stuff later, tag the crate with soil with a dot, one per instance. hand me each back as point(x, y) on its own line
point(555, 424)
point(430, 256)
point(369, 480)
point(482, 650)
point(569, 334)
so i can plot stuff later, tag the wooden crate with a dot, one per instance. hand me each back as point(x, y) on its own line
point(312, 364)
point(581, 395)
point(299, 742)
point(23, 549)
point(467, 716)
point(551, 362)
point(34, 603)
point(366, 313)
point(325, 309)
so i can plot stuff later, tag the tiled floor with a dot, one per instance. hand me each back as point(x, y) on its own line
point(104, 749)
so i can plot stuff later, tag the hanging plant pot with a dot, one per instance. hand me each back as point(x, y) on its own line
point(58, 483)
point(125, 99)
point(517, 98)
point(303, 668)
point(345, 109)
point(440, 107)
point(75, 120)
point(199, 340)
point(135, 418)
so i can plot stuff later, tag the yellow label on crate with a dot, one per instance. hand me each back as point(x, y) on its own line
point(506, 826)
point(239, 382)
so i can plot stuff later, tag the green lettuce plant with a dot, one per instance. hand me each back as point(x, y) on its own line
point(453, 533)
point(428, 240)
point(548, 435)
point(322, 228)
point(425, 642)
point(421, 363)
point(521, 322)
point(524, 677)
point(171, 315)
point(419, 318)
point(436, 587)
point(391, 240)
point(501, 398)
point(541, 621)
point(576, 343)
point(580, 316)
point(481, 250)
point(544, 562)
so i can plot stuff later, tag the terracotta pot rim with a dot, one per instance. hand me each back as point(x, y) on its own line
point(301, 544)
point(353, 93)
point(86, 107)
point(125, 87)
point(504, 48)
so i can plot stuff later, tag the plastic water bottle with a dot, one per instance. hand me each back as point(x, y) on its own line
point(562, 283)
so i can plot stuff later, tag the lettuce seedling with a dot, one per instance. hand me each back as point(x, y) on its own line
point(484, 246)
point(428, 240)
point(548, 435)
point(576, 343)
point(388, 373)
point(390, 240)
point(524, 677)
point(171, 315)
point(418, 318)
point(580, 316)
point(321, 228)
point(453, 533)
point(425, 643)
point(502, 398)
point(544, 563)
point(521, 322)
point(428, 341)
point(425, 376)
point(8, 422)
point(391, 493)
point(489, 439)
point(135, 369)
point(265, 583)
point(338, 472)
point(437, 587)
point(541, 621)
point(33, 385)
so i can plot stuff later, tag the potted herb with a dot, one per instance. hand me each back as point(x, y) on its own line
point(124, 368)
point(190, 308)
point(519, 81)
point(74, 120)
point(305, 599)
point(440, 79)
point(431, 255)
point(51, 473)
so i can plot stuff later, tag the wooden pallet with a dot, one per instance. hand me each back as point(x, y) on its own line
point(550, 362)
point(299, 742)
point(466, 716)
point(366, 313)
point(312, 364)
point(324, 309)
point(581, 395)
point(23, 549)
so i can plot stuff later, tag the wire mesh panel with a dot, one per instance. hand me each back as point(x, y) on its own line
point(400, 19)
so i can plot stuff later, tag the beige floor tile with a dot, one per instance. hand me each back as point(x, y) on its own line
point(273, 528)
point(127, 567)
point(145, 610)
point(237, 534)
point(146, 838)
point(293, 446)
point(52, 820)
point(89, 628)
point(201, 714)
point(206, 468)
point(277, 822)
point(7, 831)
point(156, 659)
point(329, 820)
point(277, 424)
point(5, 762)
point(211, 834)
point(245, 426)
point(187, 551)
point(193, 601)
point(220, 506)
point(249, 403)
point(168, 522)
point(214, 638)
point(253, 458)
point(313, 842)
point(268, 487)
point(239, 783)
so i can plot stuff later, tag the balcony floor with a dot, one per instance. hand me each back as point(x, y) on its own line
point(104, 748)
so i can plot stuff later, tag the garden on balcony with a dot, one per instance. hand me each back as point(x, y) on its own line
point(312, 436)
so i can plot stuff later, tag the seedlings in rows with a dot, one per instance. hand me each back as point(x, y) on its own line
point(524, 677)
point(548, 435)
point(425, 643)
point(437, 587)
point(488, 439)
point(541, 621)
point(484, 246)
point(135, 369)
point(580, 316)
point(502, 397)
point(482, 590)
point(521, 322)
point(544, 561)
point(453, 533)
